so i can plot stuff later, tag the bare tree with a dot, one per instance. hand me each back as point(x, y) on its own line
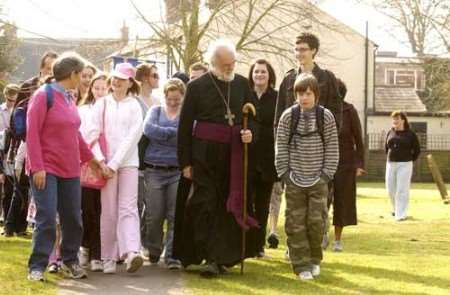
point(254, 25)
point(426, 23)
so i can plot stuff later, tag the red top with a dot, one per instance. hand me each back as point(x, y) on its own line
point(54, 143)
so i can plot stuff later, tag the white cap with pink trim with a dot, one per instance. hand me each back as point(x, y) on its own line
point(124, 71)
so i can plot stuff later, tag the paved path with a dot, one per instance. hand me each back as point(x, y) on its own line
point(155, 280)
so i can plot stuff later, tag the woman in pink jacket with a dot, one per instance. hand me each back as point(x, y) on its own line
point(55, 150)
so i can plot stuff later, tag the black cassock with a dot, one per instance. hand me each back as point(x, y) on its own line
point(204, 230)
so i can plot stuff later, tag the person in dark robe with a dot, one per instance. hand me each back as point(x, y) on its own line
point(262, 151)
point(351, 165)
point(208, 221)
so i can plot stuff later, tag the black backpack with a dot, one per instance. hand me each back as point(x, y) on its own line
point(295, 118)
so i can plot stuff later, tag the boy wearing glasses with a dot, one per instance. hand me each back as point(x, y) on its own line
point(305, 50)
point(306, 158)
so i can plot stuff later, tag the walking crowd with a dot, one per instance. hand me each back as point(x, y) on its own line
point(108, 173)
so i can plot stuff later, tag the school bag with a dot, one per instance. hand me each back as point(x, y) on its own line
point(18, 123)
point(295, 118)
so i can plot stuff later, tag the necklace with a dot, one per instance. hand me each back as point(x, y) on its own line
point(229, 115)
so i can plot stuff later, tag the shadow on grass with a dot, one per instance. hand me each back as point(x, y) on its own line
point(279, 279)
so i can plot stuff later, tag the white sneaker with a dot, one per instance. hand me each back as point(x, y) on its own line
point(144, 252)
point(96, 265)
point(305, 275)
point(315, 270)
point(83, 257)
point(134, 261)
point(109, 266)
point(337, 246)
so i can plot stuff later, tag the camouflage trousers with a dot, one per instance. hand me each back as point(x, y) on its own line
point(305, 223)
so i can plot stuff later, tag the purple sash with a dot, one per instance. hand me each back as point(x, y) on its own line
point(231, 135)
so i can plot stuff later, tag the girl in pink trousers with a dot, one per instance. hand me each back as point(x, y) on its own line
point(119, 222)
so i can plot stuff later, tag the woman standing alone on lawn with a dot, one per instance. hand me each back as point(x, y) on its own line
point(402, 148)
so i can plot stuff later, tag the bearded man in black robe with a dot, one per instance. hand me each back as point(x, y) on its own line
point(208, 222)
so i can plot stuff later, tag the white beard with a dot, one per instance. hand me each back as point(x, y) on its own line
point(224, 77)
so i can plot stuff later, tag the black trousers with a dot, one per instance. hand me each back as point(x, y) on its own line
point(8, 191)
point(91, 209)
point(16, 220)
point(260, 191)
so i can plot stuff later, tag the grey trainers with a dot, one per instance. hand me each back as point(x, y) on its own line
point(305, 275)
point(173, 264)
point(337, 246)
point(73, 271)
point(36, 275)
point(325, 241)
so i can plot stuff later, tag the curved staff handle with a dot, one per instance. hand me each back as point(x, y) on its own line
point(246, 109)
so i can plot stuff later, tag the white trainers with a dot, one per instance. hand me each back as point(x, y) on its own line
point(83, 257)
point(144, 252)
point(96, 265)
point(134, 261)
point(315, 271)
point(305, 275)
point(109, 266)
point(337, 246)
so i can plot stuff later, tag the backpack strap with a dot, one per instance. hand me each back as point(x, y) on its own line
point(49, 92)
point(320, 121)
point(295, 118)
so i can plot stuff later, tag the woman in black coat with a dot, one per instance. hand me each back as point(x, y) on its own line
point(262, 173)
point(351, 165)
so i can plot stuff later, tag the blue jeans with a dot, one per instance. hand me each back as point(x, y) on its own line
point(160, 200)
point(62, 195)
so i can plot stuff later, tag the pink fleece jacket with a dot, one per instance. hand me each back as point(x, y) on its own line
point(54, 143)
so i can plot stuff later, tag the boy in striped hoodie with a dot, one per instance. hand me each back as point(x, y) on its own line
point(307, 155)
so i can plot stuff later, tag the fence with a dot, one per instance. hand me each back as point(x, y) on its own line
point(428, 142)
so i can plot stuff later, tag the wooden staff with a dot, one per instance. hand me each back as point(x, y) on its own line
point(437, 176)
point(248, 107)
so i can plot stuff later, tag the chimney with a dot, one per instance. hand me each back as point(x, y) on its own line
point(125, 31)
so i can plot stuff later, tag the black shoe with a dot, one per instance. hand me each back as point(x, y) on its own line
point(210, 270)
point(273, 241)
point(222, 269)
point(22, 234)
point(7, 234)
point(154, 259)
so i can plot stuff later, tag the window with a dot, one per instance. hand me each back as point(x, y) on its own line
point(420, 80)
point(411, 78)
point(390, 77)
point(405, 78)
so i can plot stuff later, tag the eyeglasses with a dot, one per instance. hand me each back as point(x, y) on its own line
point(302, 49)
point(154, 75)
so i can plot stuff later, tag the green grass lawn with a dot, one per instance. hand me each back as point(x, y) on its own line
point(14, 253)
point(380, 256)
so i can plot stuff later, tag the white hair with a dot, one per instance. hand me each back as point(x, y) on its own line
point(217, 45)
